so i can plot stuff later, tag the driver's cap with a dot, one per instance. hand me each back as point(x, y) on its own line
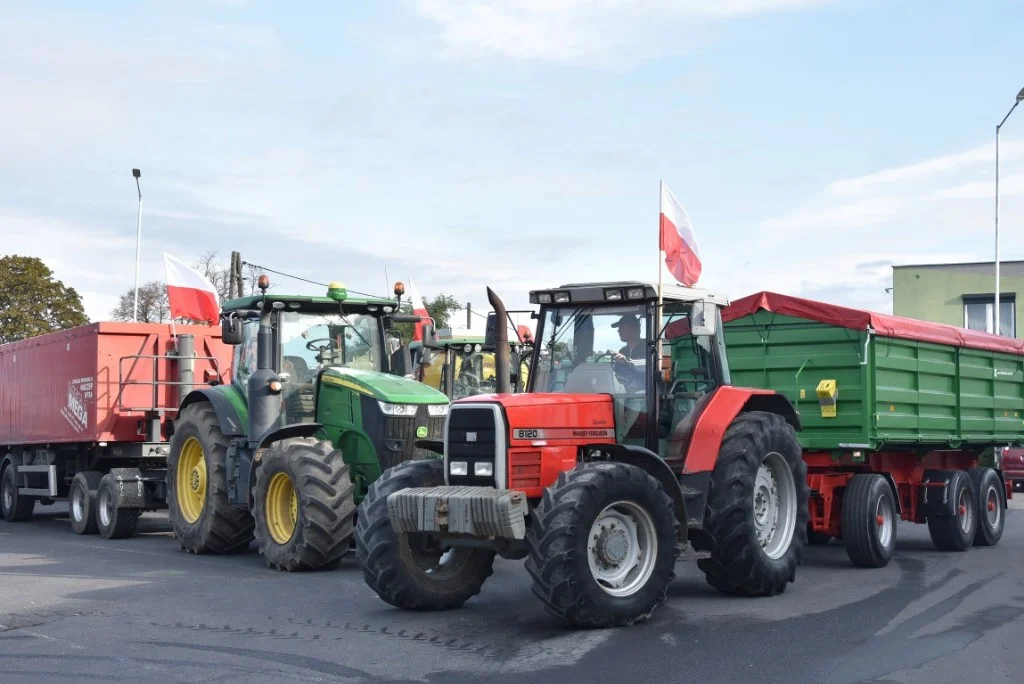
point(629, 319)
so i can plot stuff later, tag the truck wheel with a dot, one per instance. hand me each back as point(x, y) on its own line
point(990, 494)
point(15, 507)
point(112, 522)
point(757, 508)
point(869, 521)
point(304, 505)
point(602, 545)
point(414, 571)
point(203, 519)
point(82, 501)
point(955, 531)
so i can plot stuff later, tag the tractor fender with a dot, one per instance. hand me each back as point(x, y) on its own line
point(231, 424)
point(649, 462)
point(289, 431)
point(717, 415)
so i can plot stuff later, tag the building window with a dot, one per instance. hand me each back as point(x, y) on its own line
point(978, 314)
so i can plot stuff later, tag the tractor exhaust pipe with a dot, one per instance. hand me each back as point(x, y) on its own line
point(502, 353)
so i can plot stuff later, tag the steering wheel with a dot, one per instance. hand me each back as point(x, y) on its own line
point(310, 347)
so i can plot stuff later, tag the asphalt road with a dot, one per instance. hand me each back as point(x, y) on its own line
point(140, 610)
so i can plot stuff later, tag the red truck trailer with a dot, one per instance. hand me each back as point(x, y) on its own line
point(86, 415)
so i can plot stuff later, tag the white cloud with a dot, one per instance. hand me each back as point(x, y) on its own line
point(581, 30)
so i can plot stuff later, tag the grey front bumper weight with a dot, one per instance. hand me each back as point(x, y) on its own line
point(475, 511)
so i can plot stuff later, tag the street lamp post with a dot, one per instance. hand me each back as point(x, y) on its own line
point(138, 247)
point(995, 315)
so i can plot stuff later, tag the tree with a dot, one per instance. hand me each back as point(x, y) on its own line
point(33, 302)
point(440, 307)
point(153, 306)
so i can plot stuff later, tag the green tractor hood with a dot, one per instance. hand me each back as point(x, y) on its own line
point(383, 386)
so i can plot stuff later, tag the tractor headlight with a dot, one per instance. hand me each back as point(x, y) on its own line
point(458, 468)
point(635, 293)
point(485, 469)
point(398, 409)
point(436, 410)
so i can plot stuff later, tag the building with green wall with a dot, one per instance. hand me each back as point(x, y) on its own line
point(961, 294)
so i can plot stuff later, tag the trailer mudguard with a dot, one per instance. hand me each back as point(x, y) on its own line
point(649, 462)
point(228, 403)
point(717, 415)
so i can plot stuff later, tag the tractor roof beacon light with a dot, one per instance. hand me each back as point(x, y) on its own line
point(336, 291)
point(263, 282)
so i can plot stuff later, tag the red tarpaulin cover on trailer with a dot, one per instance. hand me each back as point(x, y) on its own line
point(882, 324)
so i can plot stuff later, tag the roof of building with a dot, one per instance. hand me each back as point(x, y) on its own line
point(1002, 262)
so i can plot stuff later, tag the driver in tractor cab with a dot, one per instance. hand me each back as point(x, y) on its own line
point(635, 349)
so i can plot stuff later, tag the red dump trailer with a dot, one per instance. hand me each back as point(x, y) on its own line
point(86, 415)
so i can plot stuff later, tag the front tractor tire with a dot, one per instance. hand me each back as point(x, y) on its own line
point(304, 505)
point(602, 546)
point(203, 519)
point(757, 512)
point(414, 571)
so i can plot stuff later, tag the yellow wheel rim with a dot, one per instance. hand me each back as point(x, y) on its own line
point(282, 508)
point(191, 480)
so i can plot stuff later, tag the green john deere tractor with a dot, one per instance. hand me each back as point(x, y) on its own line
point(321, 401)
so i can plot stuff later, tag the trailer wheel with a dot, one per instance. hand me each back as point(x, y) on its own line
point(955, 531)
point(203, 519)
point(990, 495)
point(14, 506)
point(757, 508)
point(304, 505)
point(869, 521)
point(113, 522)
point(414, 571)
point(602, 545)
point(82, 501)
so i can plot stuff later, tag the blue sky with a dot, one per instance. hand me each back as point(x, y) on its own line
point(516, 143)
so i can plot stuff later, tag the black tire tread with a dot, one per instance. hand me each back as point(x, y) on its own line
point(124, 520)
point(945, 529)
point(89, 480)
point(735, 565)
point(377, 544)
point(553, 542)
point(222, 528)
point(326, 505)
point(985, 535)
point(859, 499)
point(23, 505)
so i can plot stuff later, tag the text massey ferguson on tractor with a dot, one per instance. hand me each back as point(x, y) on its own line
point(600, 475)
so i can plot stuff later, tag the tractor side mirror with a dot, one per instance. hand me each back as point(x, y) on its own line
point(401, 362)
point(231, 330)
point(491, 331)
point(429, 337)
point(704, 318)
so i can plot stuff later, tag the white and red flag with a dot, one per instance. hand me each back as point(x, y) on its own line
point(418, 309)
point(189, 293)
point(677, 242)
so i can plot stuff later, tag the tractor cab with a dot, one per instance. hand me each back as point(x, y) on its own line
point(609, 339)
point(310, 334)
point(462, 365)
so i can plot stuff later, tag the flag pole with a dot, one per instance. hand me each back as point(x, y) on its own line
point(174, 333)
point(661, 270)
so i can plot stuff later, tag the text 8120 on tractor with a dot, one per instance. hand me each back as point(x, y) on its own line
point(614, 460)
point(318, 405)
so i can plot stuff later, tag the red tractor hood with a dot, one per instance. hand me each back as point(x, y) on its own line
point(537, 399)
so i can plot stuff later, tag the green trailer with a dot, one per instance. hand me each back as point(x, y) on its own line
point(897, 417)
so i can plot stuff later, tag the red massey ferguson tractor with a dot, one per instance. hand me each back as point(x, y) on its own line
point(613, 463)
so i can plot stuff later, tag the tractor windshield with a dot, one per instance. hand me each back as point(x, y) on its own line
point(312, 340)
point(593, 350)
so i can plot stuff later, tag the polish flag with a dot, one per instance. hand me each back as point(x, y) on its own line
point(418, 309)
point(189, 293)
point(677, 241)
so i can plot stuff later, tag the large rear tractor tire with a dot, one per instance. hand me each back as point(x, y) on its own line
point(82, 501)
point(602, 546)
point(869, 521)
point(203, 519)
point(414, 571)
point(304, 505)
point(955, 532)
point(757, 508)
point(990, 494)
point(14, 507)
point(112, 522)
